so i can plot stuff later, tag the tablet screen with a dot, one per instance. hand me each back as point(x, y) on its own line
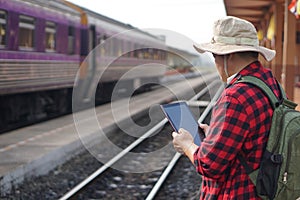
point(180, 116)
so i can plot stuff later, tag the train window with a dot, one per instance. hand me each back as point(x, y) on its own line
point(111, 47)
point(101, 39)
point(3, 33)
point(155, 54)
point(148, 53)
point(127, 48)
point(163, 55)
point(50, 36)
point(126, 45)
point(71, 40)
point(26, 32)
point(136, 51)
point(151, 53)
point(119, 46)
point(131, 45)
point(141, 52)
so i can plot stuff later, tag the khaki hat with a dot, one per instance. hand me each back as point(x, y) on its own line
point(232, 34)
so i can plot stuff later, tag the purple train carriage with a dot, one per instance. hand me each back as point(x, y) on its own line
point(46, 47)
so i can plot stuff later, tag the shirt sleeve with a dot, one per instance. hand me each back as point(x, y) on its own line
point(229, 127)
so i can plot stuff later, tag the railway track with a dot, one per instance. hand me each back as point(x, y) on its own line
point(78, 165)
point(83, 189)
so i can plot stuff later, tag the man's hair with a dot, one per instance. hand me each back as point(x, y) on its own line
point(252, 54)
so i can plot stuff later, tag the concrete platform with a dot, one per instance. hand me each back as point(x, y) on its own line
point(37, 149)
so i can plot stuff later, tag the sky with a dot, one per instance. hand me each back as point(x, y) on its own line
point(184, 22)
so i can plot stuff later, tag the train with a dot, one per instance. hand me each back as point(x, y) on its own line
point(53, 49)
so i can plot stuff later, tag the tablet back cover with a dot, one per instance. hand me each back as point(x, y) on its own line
point(180, 116)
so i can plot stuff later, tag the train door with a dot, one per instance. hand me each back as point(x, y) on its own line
point(85, 89)
point(93, 37)
point(91, 62)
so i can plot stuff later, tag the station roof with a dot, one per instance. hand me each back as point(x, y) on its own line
point(251, 10)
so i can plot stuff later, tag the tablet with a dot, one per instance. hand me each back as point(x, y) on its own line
point(180, 116)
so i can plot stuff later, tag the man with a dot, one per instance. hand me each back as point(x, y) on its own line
point(240, 120)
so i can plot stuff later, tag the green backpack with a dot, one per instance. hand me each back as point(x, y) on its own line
point(278, 176)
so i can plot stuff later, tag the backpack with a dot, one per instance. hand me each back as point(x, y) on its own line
point(278, 176)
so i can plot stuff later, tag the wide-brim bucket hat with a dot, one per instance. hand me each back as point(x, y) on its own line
point(232, 34)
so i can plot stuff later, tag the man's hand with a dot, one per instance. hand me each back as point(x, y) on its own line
point(182, 140)
point(205, 127)
point(184, 143)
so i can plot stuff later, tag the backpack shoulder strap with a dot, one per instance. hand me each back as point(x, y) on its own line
point(273, 100)
point(264, 87)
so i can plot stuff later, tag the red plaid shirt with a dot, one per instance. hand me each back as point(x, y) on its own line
point(240, 124)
